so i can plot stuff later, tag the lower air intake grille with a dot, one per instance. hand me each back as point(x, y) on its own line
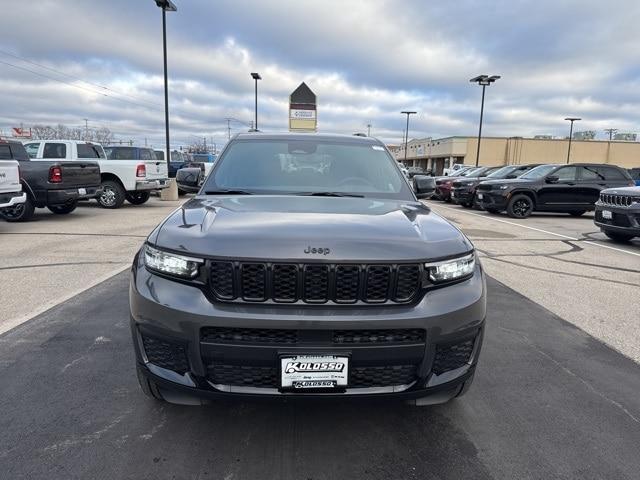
point(386, 376)
point(244, 376)
point(390, 336)
point(450, 357)
point(169, 355)
point(249, 335)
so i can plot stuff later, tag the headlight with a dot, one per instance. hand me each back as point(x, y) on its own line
point(504, 187)
point(170, 263)
point(449, 270)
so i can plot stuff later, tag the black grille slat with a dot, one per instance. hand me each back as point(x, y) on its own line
point(244, 376)
point(450, 357)
point(234, 335)
point(617, 200)
point(285, 283)
point(222, 279)
point(381, 336)
point(169, 355)
point(385, 376)
point(254, 281)
point(377, 283)
point(314, 282)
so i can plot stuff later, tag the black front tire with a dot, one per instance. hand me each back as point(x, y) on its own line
point(577, 213)
point(112, 196)
point(62, 209)
point(137, 198)
point(619, 237)
point(520, 206)
point(21, 212)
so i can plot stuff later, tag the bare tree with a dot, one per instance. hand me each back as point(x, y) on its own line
point(46, 132)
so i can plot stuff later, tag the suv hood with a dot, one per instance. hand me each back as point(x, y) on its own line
point(622, 191)
point(509, 181)
point(283, 227)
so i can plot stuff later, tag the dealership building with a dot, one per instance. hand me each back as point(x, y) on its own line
point(438, 154)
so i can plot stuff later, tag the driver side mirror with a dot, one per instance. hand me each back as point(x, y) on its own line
point(188, 179)
point(552, 179)
point(424, 186)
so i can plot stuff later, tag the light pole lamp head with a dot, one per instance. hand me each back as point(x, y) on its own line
point(484, 79)
point(408, 113)
point(166, 5)
point(256, 76)
point(573, 119)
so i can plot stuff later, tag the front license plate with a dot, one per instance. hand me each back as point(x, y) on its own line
point(479, 196)
point(607, 215)
point(453, 194)
point(82, 191)
point(302, 372)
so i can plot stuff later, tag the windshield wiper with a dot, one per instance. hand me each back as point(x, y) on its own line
point(329, 194)
point(227, 192)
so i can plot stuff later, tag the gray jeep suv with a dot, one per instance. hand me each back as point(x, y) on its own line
point(306, 267)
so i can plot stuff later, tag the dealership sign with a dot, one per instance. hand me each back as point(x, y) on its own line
point(303, 110)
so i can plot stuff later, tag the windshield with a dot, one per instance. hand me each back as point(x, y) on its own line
point(480, 172)
point(292, 166)
point(538, 172)
point(466, 172)
point(502, 172)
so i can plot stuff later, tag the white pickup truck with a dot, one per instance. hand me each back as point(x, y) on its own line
point(127, 173)
point(11, 193)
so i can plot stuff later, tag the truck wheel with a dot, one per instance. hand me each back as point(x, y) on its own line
point(63, 209)
point(112, 196)
point(577, 213)
point(618, 237)
point(137, 198)
point(21, 212)
point(148, 387)
point(520, 206)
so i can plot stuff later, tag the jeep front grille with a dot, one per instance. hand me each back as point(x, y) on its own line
point(617, 200)
point(311, 283)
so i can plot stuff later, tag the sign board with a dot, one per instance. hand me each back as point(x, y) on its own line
point(19, 132)
point(303, 110)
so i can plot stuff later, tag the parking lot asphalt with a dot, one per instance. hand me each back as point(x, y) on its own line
point(549, 401)
point(564, 264)
point(54, 257)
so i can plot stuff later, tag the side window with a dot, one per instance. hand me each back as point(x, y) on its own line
point(566, 174)
point(611, 173)
point(18, 152)
point(5, 152)
point(144, 154)
point(54, 150)
point(32, 149)
point(160, 155)
point(591, 173)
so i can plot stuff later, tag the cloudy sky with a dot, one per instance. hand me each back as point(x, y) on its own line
point(62, 61)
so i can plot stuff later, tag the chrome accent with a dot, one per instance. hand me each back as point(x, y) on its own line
point(275, 391)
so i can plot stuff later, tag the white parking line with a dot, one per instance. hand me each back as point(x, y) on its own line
point(486, 217)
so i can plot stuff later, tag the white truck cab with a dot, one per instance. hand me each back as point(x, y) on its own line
point(127, 173)
point(10, 187)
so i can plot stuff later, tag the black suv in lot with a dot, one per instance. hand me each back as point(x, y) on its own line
point(618, 213)
point(306, 267)
point(463, 190)
point(572, 189)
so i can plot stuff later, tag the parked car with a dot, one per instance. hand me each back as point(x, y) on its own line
point(454, 169)
point(635, 175)
point(444, 184)
point(413, 171)
point(51, 182)
point(10, 187)
point(330, 282)
point(131, 174)
point(178, 159)
point(463, 190)
point(572, 189)
point(618, 213)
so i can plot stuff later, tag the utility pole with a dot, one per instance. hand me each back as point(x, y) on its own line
point(228, 128)
point(86, 129)
point(611, 131)
point(368, 129)
point(205, 144)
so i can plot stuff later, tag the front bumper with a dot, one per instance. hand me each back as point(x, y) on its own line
point(443, 192)
point(70, 195)
point(142, 185)
point(12, 198)
point(169, 321)
point(492, 200)
point(624, 220)
point(461, 195)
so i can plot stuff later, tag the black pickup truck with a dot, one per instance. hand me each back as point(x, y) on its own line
point(57, 185)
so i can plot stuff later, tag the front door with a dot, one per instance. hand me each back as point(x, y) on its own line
point(561, 193)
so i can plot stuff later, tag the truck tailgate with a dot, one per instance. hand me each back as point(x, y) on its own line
point(80, 174)
point(9, 176)
point(156, 169)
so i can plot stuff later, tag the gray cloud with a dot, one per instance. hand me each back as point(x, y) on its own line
point(366, 60)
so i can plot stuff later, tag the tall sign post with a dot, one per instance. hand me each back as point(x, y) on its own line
point(303, 110)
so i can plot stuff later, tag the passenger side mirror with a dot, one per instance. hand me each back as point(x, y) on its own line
point(188, 179)
point(552, 179)
point(424, 186)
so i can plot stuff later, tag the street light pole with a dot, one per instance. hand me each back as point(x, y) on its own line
point(166, 6)
point(406, 138)
point(611, 131)
point(571, 119)
point(256, 77)
point(483, 80)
